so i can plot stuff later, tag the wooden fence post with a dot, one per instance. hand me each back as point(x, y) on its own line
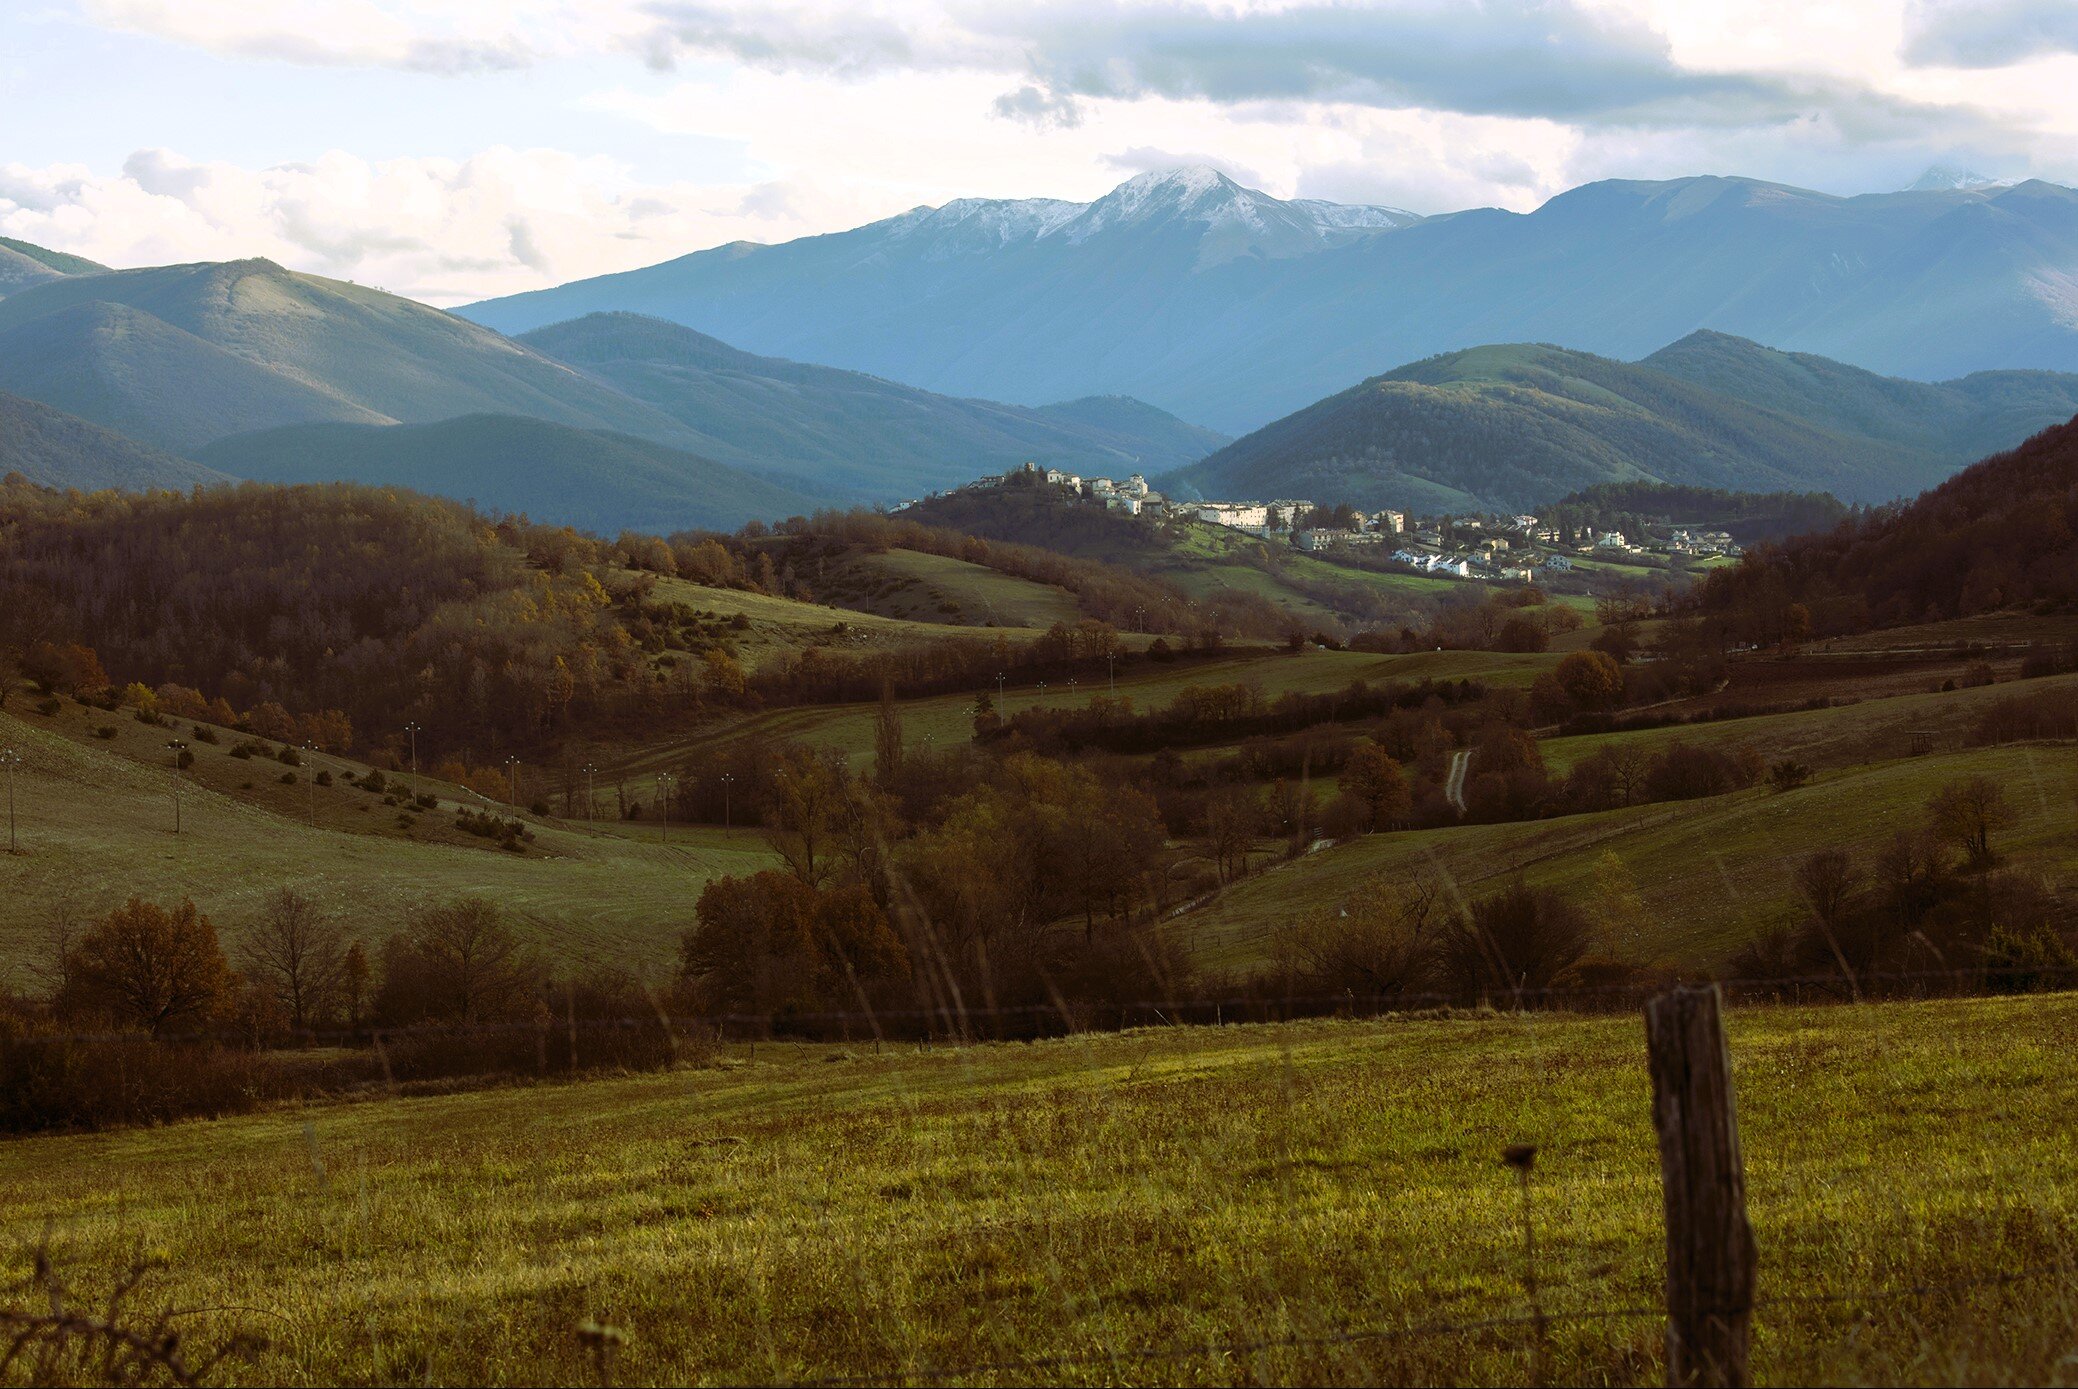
point(1710, 1251)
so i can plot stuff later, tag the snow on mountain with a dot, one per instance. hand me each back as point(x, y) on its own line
point(1941, 179)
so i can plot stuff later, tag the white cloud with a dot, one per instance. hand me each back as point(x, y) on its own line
point(444, 230)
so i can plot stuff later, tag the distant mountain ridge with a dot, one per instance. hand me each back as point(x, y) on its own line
point(591, 479)
point(1518, 425)
point(1232, 308)
point(849, 434)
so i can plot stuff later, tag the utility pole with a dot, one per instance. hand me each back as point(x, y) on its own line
point(999, 692)
point(589, 803)
point(664, 782)
point(177, 747)
point(10, 759)
point(728, 780)
point(411, 730)
point(512, 784)
point(1111, 665)
point(310, 780)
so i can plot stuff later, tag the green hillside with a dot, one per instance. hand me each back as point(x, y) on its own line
point(23, 264)
point(129, 371)
point(54, 449)
point(592, 479)
point(850, 433)
point(1518, 425)
point(371, 356)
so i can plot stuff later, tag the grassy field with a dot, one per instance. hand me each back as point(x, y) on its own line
point(1714, 872)
point(96, 823)
point(939, 588)
point(1869, 731)
point(828, 1212)
point(945, 719)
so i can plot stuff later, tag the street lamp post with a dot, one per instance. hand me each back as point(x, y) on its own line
point(590, 804)
point(1111, 665)
point(512, 784)
point(664, 783)
point(10, 759)
point(310, 780)
point(411, 730)
point(728, 782)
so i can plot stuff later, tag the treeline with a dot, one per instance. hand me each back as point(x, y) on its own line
point(2000, 534)
point(1748, 516)
point(384, 606)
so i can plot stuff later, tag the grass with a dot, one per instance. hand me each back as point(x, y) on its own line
point(1868, 731)
point(945, 718)
point(1714, 872)
point(96, 827)
point(833, 1212)
point(939, 588)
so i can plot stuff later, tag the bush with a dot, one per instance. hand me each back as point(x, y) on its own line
point(1788, 774)
point(323, 777)
point(204, 733)
point(2020, 960)
point(1520, 939)
point(105, 731)
point(289, 757)
point(184, 759)
point(49, 706)
point(288, 778)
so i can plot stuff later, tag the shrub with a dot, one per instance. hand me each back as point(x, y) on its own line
point(48, 706)
point(184, 759)
point(204, 733)
point(2028, 960)
point(289, 757)
point(1519, 939)
point(105, 731)
point(288, 778)
point(323, 777)
point(1788, 774)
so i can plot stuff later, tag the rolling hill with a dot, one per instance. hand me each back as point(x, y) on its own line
point(23, 264)
point(591, 479)
point(183, 354)
point(1230, 307)
point(1519, 425)
point(848, 433)
point(54, 449)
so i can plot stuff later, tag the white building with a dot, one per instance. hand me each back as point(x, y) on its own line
point(1240, 515)
point(1120, 501)
point(1611, 540)
point(1390, 521)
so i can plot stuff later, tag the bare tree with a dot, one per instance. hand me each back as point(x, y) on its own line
point(1967, 812)
point(297, 954)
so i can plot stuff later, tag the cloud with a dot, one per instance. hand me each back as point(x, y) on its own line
point(1040, 109)
point(469, 38)
point(1150, 159)
point(1987, 33)
point(443, 230)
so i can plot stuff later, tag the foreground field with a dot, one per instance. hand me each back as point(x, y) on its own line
point(811, 1212)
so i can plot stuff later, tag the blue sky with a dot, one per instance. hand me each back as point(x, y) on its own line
point(452, 149)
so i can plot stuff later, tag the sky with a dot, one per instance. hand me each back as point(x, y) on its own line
point(453, 150)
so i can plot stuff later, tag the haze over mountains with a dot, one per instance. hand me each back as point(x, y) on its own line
point(1518, 425)
point(1230, 308)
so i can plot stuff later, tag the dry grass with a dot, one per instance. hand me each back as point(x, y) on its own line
point(875, 1216)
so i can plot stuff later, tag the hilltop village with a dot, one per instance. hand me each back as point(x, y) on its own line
point(1493, 547)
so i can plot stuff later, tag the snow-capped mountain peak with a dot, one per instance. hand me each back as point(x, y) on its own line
point(1941, 179)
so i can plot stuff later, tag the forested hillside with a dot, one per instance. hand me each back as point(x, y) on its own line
point(55, 449)
point(843, 433)
point(2001, 534)
point(592, 479)
point(1519, 425)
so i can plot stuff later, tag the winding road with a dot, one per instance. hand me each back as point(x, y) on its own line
point(1454, 787)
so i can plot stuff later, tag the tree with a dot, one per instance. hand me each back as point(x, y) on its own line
point(1520, 938)
point(1967, 813)
point(458, 962)
point(807, 794)
point(887, 738)
point(1230, 825)
point(1589, 680)
point(296, 954)
point(1373, 779)
point(149, 966)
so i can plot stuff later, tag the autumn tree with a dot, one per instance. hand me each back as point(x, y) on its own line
point(1589, 680)
point(459, 962)
point(297, 954)
point(150, 966)
point(1373, 780)
point(887, 738)
point(808, 790)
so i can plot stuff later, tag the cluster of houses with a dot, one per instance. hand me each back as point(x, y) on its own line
point(1499, 548)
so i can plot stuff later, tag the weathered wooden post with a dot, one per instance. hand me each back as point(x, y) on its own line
point(1710, 1252)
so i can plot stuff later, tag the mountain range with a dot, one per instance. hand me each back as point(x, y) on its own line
point(1519, 425)
point(54, 449)
point(1231, 308)
point(184, 357)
